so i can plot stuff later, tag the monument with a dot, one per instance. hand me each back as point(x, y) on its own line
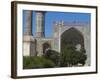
point(39, 44)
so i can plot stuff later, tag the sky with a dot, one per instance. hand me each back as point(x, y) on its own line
point(50, 17)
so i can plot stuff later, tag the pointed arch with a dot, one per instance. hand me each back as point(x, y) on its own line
point(72, 36)
point(46, 46)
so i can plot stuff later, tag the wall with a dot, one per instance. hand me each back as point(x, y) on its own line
point(5, 41)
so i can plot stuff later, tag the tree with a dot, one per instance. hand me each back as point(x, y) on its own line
point(71, 57)
point(67, 55)
point(53, 55)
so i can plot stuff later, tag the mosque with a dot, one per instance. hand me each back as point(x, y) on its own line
point(39, 44)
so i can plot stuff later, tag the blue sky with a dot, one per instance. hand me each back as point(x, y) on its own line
point(50, 17)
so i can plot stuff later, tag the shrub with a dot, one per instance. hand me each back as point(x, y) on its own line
point(53, 55)
point(31, 62)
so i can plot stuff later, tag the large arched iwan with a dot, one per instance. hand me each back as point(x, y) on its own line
point(72, 36)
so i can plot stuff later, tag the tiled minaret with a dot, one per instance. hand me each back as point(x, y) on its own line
point(28, 23)
point(40, 24)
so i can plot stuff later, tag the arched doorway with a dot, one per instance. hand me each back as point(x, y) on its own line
point(46, 47)
point(72, 36)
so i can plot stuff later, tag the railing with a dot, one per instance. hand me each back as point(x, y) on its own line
point(70, 23)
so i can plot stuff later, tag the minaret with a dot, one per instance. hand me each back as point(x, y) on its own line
point(28, 23)
point(40, 19)
point(29, 48)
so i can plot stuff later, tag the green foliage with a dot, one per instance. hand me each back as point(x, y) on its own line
point(53, 56)
point(70, 56)
point(66, 55)
point(30, 62)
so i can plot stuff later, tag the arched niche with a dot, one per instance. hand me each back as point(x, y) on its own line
point(46, 46)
